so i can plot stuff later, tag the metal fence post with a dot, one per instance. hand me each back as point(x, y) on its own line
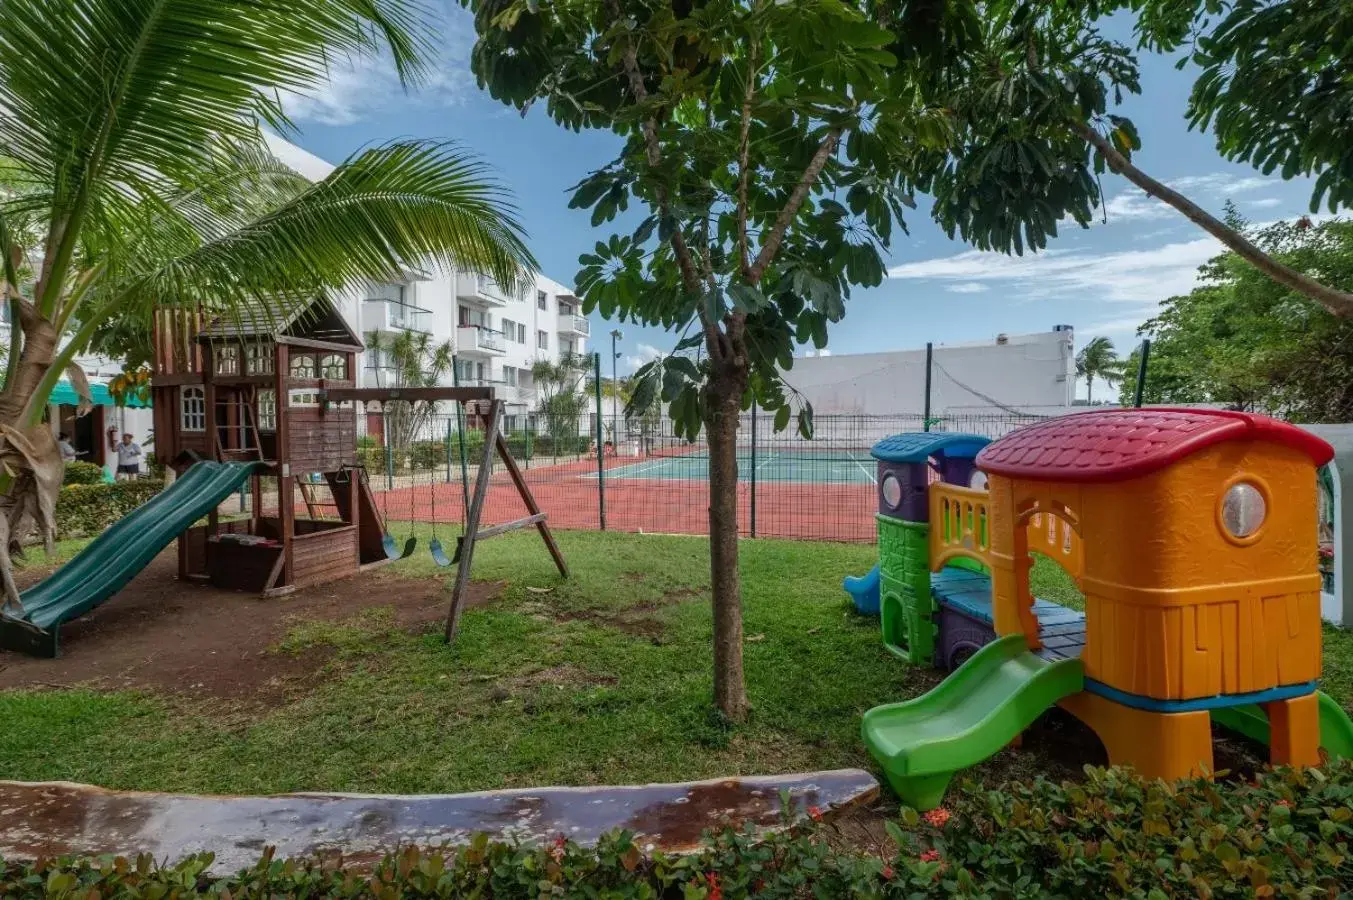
point(389, 451)
point(1141, 372)
point(601, 449)
point(929, 354)
point(753, 475)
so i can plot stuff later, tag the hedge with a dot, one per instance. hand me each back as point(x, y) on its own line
point(82, 473)
point(84, 510)
point(1287, 834)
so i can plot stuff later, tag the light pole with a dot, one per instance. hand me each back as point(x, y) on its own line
point(616, 334)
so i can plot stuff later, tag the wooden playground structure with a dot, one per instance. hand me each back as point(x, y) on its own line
point(281, 394)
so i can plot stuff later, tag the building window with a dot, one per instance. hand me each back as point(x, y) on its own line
point(542, 300)
point(334, 366)
point(521, 333)
point(511, 423)
point(192, 409)
point(267, 410)
point(227, 359)
point(303, 366)
point(566, 348)
point(509, 376)
point(509, 330)
point(543, 340)
point(565, 309)
point(257, 359)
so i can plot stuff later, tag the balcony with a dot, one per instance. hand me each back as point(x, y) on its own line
point(482, 341)
point(391, 315)
point(481, 289)
point(574, 325)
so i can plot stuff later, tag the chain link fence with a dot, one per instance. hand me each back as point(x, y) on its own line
point(647, 479)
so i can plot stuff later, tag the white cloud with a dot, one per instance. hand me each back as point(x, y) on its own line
point(967, 287)
point(360, 87)
point(1220, 183)
point(1263, 203)
point(1142, 277)
point(1135, 204)
point(645, 353)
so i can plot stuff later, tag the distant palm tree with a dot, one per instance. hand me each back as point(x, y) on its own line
point(1098, 359)
point(134, 175)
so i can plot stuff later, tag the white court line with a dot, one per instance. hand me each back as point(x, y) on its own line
point(757, 467)
point(629, 471)
point(867, 474)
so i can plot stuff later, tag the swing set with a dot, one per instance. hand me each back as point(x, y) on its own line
point(491, 410)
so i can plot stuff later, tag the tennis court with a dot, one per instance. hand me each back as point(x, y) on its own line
point(826, 466)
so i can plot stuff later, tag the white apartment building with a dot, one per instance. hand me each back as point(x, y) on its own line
point(496, 335)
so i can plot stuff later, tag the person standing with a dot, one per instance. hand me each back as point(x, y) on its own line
point(68, 454)
point(128, 459)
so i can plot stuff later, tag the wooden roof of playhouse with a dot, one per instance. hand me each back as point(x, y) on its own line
point(318, 320)
point(1118, 444)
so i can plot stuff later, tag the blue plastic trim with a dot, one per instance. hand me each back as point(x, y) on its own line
point(1152, 704)
point(864, 591)
point(918, 446)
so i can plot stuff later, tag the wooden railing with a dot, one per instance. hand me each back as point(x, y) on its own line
point(959, 524)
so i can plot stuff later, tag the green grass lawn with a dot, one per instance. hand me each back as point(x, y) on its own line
point(604, 678)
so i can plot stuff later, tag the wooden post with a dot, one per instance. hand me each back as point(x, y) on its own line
point(481, 490)
point(531, 505)
point(286, 498)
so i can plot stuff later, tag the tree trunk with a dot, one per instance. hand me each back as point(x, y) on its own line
point(1089, 390)
point(723, 406)
point(1336, 301)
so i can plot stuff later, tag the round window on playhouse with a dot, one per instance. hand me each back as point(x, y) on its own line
point(1243, 510)
point(978, 481)
point(892, 490)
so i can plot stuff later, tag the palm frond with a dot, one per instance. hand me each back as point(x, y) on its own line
point(410, 201)
point(108, 101)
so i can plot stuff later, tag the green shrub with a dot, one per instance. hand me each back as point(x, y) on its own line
point(83, 473)
point(424, 455)
point(84, 510)
point(1287, 835)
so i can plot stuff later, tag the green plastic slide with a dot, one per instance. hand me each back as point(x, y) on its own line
point(115, 557)
point(1336, 729)
point(969, 716)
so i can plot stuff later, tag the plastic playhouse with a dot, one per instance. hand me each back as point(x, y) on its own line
point(1191, 534)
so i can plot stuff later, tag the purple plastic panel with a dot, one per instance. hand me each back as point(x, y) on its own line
point(960, 636)
point(914, 502)
point(957, 471)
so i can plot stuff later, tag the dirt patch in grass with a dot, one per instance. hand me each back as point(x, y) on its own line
point(639, 620)
point(162, 635)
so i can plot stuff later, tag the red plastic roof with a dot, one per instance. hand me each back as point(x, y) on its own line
point(1117, 444)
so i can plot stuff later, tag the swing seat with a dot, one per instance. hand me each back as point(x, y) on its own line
point(392, 547)
point(439, 553)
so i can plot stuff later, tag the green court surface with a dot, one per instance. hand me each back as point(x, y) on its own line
point(818, 467)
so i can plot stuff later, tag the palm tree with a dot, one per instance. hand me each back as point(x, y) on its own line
point(1098, 359)
point(412, 359)
point(135, 176)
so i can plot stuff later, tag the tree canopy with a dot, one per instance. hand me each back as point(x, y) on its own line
point(1244, 341)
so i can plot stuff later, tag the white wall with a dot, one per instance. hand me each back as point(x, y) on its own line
point(1032, 373)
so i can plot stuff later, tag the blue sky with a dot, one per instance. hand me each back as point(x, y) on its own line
point(1104, 280)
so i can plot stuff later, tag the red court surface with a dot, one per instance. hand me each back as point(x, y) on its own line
point(569, 494)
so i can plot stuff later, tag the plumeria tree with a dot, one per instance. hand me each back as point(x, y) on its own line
point(138, 177)
point(771, 149)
